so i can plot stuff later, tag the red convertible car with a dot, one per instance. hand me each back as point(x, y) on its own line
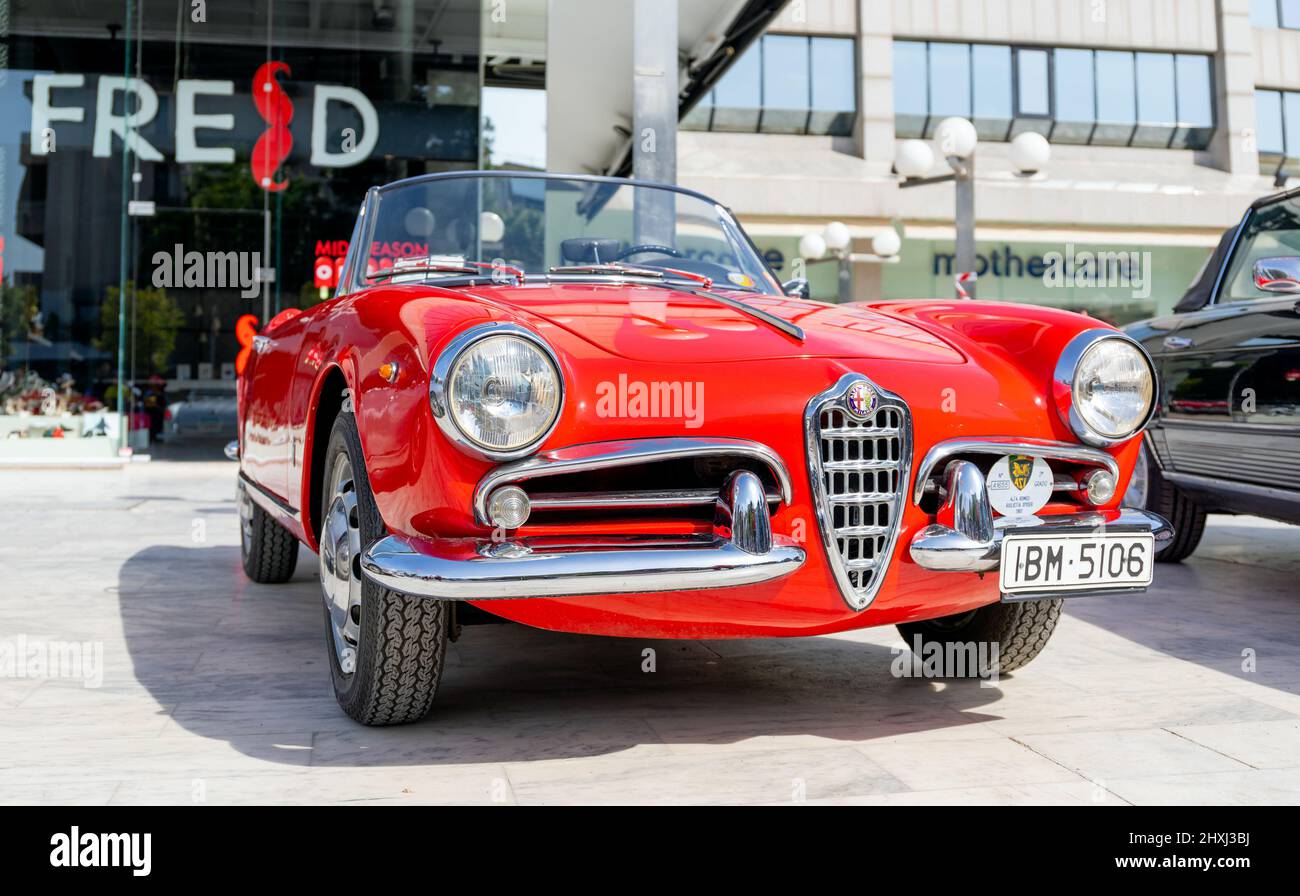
point(586, 404)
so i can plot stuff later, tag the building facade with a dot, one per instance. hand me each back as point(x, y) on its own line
point(255, 126)
point(1165, 117)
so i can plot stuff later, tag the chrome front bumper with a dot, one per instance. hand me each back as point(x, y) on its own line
point(741, 551)
point(967, 539)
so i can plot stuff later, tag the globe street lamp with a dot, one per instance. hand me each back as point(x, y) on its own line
point(835, 243)
point(956, 139)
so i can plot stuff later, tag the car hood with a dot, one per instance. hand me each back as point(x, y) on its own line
point(654, 323)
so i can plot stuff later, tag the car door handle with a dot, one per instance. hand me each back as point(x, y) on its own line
point(1175, 343)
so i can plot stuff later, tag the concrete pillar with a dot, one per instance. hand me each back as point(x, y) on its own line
point(654, 90)
point(874, 131)
point(1234, 148)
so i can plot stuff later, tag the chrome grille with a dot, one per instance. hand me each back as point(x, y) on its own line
point(859, 469)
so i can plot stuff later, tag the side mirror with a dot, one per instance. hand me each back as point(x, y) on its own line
point(798, 287)
point(1278, 274)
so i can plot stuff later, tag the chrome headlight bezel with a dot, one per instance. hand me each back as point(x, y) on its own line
point(445, 366)
point(1063, 386)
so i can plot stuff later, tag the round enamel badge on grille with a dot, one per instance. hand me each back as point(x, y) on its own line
point(861, 399)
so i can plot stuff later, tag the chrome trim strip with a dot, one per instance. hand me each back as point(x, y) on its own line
point(1063, 385)
point(271, 503)
point(623, 453)
point(686, 497)
point(940, 453)
point(822, 504)
point(442, 371)
point(481, 570)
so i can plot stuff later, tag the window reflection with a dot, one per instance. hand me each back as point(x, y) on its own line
point(992, 93)
point(784, 83)
point(949, 82)
point(1070, 95)
point(1116, 98)
point(1075, 96)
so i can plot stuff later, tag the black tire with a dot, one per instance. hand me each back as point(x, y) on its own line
point(1185, 515)
point(402, 644)
point(268, 550)
point(1020, 630)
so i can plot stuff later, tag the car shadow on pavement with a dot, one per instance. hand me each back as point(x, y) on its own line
point(1232, 608)
point(247, 664)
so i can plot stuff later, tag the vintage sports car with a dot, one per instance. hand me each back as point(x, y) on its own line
point(586, 404)
point(1227, 434)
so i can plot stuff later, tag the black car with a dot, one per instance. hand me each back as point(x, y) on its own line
point(1227, 434)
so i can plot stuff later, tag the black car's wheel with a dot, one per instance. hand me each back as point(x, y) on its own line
point(1019, 630)
point(1149, 490)
point(386, 650)
point(268, 550)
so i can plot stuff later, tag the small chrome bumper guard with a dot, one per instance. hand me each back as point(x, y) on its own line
point(741, 551)
point(967, 539)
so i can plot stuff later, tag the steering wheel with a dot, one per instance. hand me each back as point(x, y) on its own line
point(648, 247)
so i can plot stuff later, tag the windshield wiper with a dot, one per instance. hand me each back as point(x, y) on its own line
point(661, 274)
point(468, 267)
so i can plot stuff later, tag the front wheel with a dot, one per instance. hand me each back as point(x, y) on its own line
point(386, 649)
point(1019, 631)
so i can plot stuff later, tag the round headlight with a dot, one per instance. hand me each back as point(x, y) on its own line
point(1111, 387)
point(499, 389)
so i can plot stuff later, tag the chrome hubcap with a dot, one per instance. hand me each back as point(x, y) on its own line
point(340, 574)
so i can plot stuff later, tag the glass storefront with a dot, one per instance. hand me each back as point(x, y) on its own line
point(255, 127)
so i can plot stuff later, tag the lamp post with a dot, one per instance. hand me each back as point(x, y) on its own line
point(956, 139)
point(835, 243)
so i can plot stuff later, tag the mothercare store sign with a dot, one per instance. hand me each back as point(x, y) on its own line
point(1116, 282)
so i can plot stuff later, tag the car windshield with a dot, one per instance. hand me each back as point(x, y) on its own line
point(1273, 231)
point(491, 225)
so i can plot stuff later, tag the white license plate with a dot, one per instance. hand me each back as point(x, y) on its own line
point(1076, 562)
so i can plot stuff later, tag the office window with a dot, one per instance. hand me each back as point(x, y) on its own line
point(1157, 101)
point(1075, 94)
point(991, 97)
point(834, 86)
point(1263, 13)
point(1194, 82)
point(1033, 92)
point(950, 80)
point(1275, 13)
point(1068, 94)
point(1268, 112)
point(786, 98)
point(911, 88)
point(1289, 13)
point(1116, 98)
point(738, 98)
point(784, 84)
